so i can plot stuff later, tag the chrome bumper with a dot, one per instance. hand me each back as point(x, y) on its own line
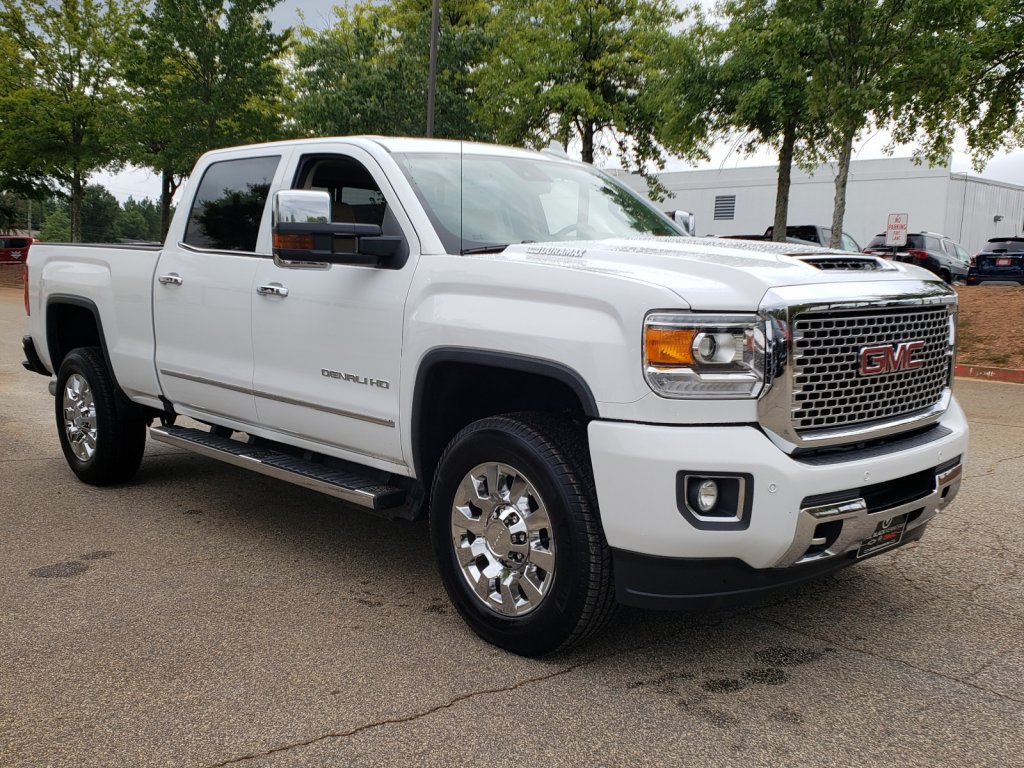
point(859, 523)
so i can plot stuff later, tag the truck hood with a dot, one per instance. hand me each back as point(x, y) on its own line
point(711, 274)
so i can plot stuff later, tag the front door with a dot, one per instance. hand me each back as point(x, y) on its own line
point(327, 340)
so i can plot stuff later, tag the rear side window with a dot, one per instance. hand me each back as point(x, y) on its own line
point(229, 204)
point(931, 244)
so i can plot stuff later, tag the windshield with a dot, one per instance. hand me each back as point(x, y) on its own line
point(482, 201)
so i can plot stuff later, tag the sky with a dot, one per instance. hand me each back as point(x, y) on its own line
point(1005, 166)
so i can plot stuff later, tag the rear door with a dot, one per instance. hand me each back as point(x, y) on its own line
point(204, 286)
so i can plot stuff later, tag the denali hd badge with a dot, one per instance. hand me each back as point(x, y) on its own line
point(890, 358)
point(354, 379)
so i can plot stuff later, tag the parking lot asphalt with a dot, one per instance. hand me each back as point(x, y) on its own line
point(204, 616)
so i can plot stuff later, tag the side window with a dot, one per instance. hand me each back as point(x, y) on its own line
point(229, 204)
point(931, 244)
point(947, 246)
point(355, 196)
point(848, 243)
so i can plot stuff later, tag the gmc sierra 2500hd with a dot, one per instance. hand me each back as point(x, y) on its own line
point(590, 408)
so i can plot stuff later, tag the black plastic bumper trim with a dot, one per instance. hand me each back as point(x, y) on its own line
point(672, 584)
point(32, 361)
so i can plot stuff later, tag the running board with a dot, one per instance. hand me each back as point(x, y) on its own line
point(357, 489)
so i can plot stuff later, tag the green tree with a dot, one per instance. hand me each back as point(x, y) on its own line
point(579, 70)
point(101, 215)
point(203, 74)
point(748, 76)
point(879, 60)
point(8, 213)
point(367, 73)
point(56, 228)
point(55, 125)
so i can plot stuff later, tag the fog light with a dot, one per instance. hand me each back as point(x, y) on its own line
point(715, 501)
point(707, 495)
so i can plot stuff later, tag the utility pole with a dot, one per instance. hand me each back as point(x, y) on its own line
point(435, 14)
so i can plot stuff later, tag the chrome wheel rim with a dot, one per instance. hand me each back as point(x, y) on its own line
point(503, 539)
point(80, 417)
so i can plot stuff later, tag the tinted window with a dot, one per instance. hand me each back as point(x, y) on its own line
point(1010, 246)
point(229, 205)
point(931, 244)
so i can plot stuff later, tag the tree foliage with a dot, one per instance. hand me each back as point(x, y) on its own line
point(204, 74)
point(367, 73)
point(59, 99)
point(579, 71)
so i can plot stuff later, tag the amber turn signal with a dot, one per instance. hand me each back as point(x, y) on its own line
point(669, 346)
point(293, 242)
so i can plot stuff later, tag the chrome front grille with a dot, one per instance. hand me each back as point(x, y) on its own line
point(829, 390)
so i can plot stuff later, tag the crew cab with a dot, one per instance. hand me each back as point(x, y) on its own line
point(589, 407)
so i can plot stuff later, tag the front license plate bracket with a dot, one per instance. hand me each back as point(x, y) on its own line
point(888, 533)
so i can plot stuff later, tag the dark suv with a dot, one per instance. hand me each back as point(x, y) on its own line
point(1001, 261)
point(14, 248)
point(936, 253)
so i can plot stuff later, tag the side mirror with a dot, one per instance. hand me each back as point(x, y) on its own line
point(686, 220)
point(303, 231)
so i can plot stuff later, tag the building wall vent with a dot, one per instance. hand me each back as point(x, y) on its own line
point(725, 207)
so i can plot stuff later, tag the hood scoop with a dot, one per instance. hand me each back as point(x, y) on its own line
point(848, 263)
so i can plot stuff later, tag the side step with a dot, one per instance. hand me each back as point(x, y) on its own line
point(364, 491)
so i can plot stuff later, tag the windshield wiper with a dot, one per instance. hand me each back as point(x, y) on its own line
point(497, 248)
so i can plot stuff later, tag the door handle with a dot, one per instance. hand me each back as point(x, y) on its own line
point(172, 279)
point(272, 289)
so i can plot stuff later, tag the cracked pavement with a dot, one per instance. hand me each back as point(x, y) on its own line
point(202, 616)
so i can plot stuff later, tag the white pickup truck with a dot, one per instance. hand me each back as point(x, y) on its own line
point(591, 408)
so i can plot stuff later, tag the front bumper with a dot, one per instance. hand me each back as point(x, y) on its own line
point(808, 516)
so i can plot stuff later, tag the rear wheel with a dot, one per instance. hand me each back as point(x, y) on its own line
point(516, 534)
point(945, 275)
point(102, 443)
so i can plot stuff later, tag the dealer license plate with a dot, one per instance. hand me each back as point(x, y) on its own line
point(889, 533)
point(1002, 262)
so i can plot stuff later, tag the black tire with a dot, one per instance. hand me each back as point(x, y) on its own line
point(551, 456)
point(946, 276)
point(114, 454)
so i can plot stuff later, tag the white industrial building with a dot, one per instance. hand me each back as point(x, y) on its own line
point(740, 201)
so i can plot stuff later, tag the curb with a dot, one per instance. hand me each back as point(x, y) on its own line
point(1012, 375)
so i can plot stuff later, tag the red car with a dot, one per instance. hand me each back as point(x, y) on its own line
point(14, 248)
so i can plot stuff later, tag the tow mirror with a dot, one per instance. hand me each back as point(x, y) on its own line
point(686, 220)
point(303, 231)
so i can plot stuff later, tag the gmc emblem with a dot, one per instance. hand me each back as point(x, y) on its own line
point(889, 359)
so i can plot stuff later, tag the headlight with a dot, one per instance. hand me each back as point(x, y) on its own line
point(692, 355)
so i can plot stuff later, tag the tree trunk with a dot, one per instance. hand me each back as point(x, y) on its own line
point(785, 181)
point(77, 193)
point(588, 142)
point(839, 211)
point(167, 189)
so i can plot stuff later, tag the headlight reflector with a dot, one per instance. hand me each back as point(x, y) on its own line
point(694, 355)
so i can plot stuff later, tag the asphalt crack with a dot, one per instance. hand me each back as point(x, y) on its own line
point(632, 650)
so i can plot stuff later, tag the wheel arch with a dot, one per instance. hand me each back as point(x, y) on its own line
point(73, 321)
point(456, 386)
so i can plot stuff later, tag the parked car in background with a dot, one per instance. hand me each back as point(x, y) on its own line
point(812, 233)
point(1001, 261)
point(936, 253)
point(14, 248)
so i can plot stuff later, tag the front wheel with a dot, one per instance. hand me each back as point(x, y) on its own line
point(514, 525)
point(102, 444)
